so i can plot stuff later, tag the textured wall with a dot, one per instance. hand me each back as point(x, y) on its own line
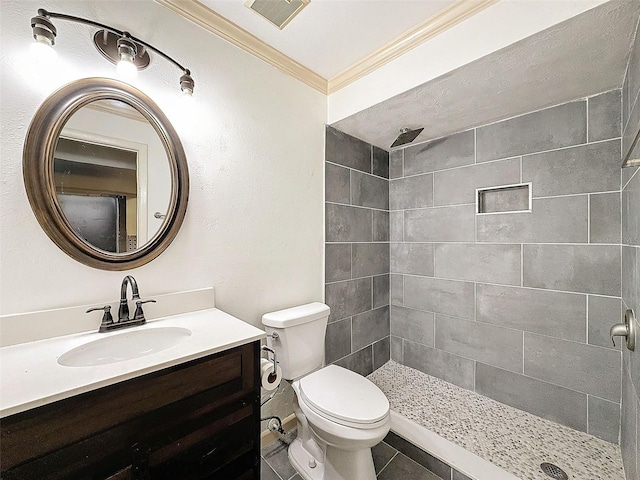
point(357, 252)
point(630, 432)
point(515, 306)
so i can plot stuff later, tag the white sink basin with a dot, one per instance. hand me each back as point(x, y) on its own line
point(124, 346)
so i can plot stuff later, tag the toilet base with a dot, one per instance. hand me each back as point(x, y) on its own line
point(339, 464)
point(300, 460)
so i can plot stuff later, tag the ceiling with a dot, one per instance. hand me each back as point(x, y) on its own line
point(324, 36)
point(584, 55)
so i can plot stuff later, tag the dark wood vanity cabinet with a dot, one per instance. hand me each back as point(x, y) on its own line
point(196, 420)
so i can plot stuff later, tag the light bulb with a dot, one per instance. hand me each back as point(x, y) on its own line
point(127, 69)
point(43, 52)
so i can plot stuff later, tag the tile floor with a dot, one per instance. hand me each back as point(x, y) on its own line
point(390, 464)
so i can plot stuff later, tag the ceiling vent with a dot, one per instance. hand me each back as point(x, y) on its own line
point(277, 12)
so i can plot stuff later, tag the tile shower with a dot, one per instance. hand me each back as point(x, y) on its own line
point(514, 306)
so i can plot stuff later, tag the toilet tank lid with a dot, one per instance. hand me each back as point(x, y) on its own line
point(290, 317)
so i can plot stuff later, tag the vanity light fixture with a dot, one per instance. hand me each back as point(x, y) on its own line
point(127, 52)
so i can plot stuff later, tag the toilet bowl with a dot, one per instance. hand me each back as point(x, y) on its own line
point(340, 414)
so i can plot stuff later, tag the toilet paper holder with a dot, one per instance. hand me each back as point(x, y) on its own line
point(275, 362)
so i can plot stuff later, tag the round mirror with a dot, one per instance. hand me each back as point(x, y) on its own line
point(106, 174)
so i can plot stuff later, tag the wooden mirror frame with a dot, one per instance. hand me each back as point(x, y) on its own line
point(37, 164)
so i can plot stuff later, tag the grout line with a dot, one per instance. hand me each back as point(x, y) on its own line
point(523, 350)
point(356, 206)
point(387, 464)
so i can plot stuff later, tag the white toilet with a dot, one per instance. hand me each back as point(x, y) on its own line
point(340, 414)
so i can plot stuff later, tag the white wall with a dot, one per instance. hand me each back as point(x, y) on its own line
point(496, 27)
point(254, 143)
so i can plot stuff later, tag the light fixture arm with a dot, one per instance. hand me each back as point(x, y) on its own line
point(62, 16)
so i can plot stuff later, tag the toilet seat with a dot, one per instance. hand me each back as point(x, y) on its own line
point(344, 397)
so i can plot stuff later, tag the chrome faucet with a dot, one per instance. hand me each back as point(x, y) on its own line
point(109, 324)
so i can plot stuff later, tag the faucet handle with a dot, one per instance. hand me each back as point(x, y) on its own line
point(107, 319)
point(139, 314)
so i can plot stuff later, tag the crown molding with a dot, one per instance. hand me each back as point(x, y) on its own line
point(208, 19)
point(444, 19)
point(232, 33)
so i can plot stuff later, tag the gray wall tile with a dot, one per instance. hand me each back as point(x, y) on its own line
point(628, 429)
point(337, 262)
point(582, 169)
point(459, 185)
point(347, 150)
point(411, 192)
point(348, 224)
point(629, 133)
point(448, 297)
point(603, 312)
point(625, 100)
point(369, 327)
point(481, 263)
point(337, 340)
point(453, 151)
point(428, 461)
point(380, 291)
point(441, 364)
point(547, 129)
point(396, 226)
point(396, 349)
point(440, 224)
point(630, 276)
point(456, 475)
point(414, 325)
point(380, 165)
point(552, 402)
point(604, 116)
point(412, 258)
point(396, 289)
point(630, 212)
point(348, 298)
point(604, 214)
point(604, 419)
point(574, 268)
point(554, 360)
point(381, 353)
point(360, 362)
point(337, 184)
point(557, 314)
point(369, 191)
point(380, 226)
point(497, 346)
point(369, 259)
point(552, 220)
point(395, 164)
point(627, 173)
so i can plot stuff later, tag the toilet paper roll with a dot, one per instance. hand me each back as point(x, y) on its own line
point(269, 380)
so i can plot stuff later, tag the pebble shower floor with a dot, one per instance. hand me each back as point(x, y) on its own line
point(515, 440)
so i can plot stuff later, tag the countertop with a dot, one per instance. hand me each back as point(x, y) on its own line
point(31, 376)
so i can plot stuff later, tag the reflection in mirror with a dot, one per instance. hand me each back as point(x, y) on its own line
point(112, 176)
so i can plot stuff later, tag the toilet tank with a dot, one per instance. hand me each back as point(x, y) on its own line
point(299, 345)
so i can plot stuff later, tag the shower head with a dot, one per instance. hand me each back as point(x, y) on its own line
point(406, 136)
